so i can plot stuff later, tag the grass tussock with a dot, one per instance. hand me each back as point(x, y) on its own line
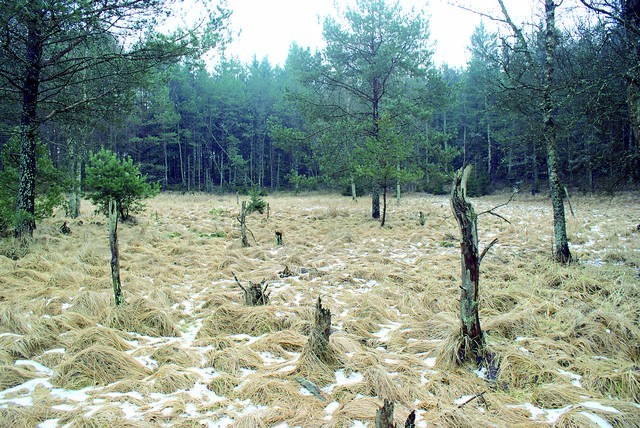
point(236, 319)
point(170, 378)
point(173, 354)
point(107, 337)
point(141, 317)
point(104, 417)
point(610, 377)
point(11, 376)
point(519, 370)
point(360, 409)
point(270, 391)
point(233, 360)
point(97, 365)
point(564, 336)
point(223, 384)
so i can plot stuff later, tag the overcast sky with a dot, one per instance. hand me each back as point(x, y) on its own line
point(268, 27)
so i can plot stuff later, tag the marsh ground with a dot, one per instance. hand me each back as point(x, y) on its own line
point(184, 351)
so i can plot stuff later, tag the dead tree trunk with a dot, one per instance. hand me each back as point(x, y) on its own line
point(384, 415)
point(255, 294)
point(318, 343)
point(242, 219)
point(472, 344)
point(115, 255)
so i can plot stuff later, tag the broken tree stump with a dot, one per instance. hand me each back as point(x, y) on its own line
point(384, 415)
point(319, 338)
point(279, 235)
point(242, 219)
point(472, 339)
point(255, 294)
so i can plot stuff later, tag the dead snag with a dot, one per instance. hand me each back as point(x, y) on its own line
point(64, 229)
point(115, 254)
point(472, 341)
point(411, 420)
point(255, 294)
point(319, 339)
point(384, 415)
point(242, 219)
point(279, 236)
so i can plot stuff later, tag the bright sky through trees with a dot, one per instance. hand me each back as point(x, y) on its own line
point(267, 28)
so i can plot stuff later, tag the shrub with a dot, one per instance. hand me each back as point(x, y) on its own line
point(256, 203)
point(109, 178)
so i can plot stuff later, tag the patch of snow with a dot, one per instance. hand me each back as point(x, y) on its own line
point(594, 405)
point(330, 409)
point(147, 361)
point(36, 365)
point(49, 423)
point(481, 373)
point(383, 333)
point(575, 377)
point(554, 414)
point(599, 421)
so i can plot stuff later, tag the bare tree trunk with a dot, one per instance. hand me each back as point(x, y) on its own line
point(472, 345)
point(115, 255)
point(26, 224)
point(375, 202)
point(561, 251)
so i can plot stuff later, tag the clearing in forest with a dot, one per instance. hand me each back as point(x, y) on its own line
point(186, 351)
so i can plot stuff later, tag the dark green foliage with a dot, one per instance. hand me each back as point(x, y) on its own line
point(50, 185)
point(256, 203)
point(110, 178)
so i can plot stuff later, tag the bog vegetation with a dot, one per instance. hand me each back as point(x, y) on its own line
point(349, 304)
point(186, 349)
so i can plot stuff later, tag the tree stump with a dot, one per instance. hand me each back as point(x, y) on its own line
point(422, 220)
point(384, 415)
point(255, 294)
point(318, 343)
point(64, 229)
point(279, 236)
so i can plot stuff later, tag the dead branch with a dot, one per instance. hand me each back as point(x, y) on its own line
point(490, 211)
point(484, 252)
point(478, 395)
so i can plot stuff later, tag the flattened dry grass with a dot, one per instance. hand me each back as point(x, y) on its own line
point(11, 376)
point(394, 297)
point(97, 366)
point(141, 317)
point(110, 338)
point(236, 319)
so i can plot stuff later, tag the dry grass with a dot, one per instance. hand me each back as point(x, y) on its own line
point(185, 352)
point(97, 365)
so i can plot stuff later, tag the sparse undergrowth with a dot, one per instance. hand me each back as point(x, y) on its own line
point(186, 351)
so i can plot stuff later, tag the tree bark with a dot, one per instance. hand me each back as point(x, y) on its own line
point(115, 255)
point(472, 344)
point(375, 202)
point(561, 251)
point(25, 222)
point(384, 415)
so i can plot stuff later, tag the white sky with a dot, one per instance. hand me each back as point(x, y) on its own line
point(268, 27)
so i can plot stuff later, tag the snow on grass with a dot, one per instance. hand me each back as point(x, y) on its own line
point(575, 378)
point(598, 420)
point(386, 329)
